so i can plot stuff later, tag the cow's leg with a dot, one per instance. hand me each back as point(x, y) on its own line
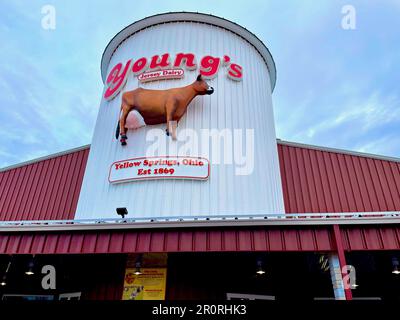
point(172, 128)
point(122, 130)
point(171, 124)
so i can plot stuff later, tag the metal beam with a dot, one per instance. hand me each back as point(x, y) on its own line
point(315, 219)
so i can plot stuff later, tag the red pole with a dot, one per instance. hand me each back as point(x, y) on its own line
point(342, 258)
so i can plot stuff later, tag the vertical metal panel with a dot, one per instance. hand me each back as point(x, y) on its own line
point(215, 240)
point(186, 241)
point(102, 243)
point(292, 241)
point(244, 240)
point(372, 239)
point(200, 241)
point(276, 243)
point(129, 242)
point(64, 243)
point(260, 240)
point(243, 104)
point(307, 240)
point(157, 242)
point(171, 242)
point(229, 240)
point(3, 243)
point(143, 243)
point(389, 239)
point(355, 239)
point(26, 243)
point(89, 243)
point(116, 242)
point(11, 193)
point(324, 240)
point(13, 243)
point(38, 244)
point(50, 245)
point(76, 244)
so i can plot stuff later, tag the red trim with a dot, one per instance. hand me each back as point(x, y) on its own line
point(226, 239)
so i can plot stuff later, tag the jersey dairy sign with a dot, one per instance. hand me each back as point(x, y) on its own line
point(185, 126)
point(159, 67)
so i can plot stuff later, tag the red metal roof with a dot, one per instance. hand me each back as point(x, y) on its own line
point(313, 180)
point(326, 181)
point(43, 190)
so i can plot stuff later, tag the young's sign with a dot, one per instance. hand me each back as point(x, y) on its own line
point(149, 70)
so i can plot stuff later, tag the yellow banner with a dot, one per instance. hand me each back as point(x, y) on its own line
point(150, 285)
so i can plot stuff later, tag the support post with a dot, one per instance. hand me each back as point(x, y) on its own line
point(342, 258)
point(336, 277)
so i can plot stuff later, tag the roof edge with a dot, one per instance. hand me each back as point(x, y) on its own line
point(50, 156)
point(336, 150)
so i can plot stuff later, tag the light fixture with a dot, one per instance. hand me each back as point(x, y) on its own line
point(137, 272)
point(4, 279)
point(31, 265)
point(122, 212)
point(395, 264)
point(260, 270)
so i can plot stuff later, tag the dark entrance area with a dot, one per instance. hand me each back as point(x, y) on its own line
point(207, 276)
point(288, 276)
point(377, 275)
point(92, 277)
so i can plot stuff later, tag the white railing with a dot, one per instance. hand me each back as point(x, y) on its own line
point(245, 217)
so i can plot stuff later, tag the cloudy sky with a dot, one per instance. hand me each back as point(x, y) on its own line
point(338, 88)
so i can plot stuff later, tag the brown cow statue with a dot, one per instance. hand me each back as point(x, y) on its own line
point(149, 107)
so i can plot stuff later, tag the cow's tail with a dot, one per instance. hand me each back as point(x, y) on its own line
point(117, 131)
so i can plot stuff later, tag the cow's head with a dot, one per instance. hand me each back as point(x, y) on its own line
point(202, 87)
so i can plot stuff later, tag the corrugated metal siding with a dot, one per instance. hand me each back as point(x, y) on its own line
point(192, 240)
point(371, 238)
point(43, 190)
point(322, 181)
